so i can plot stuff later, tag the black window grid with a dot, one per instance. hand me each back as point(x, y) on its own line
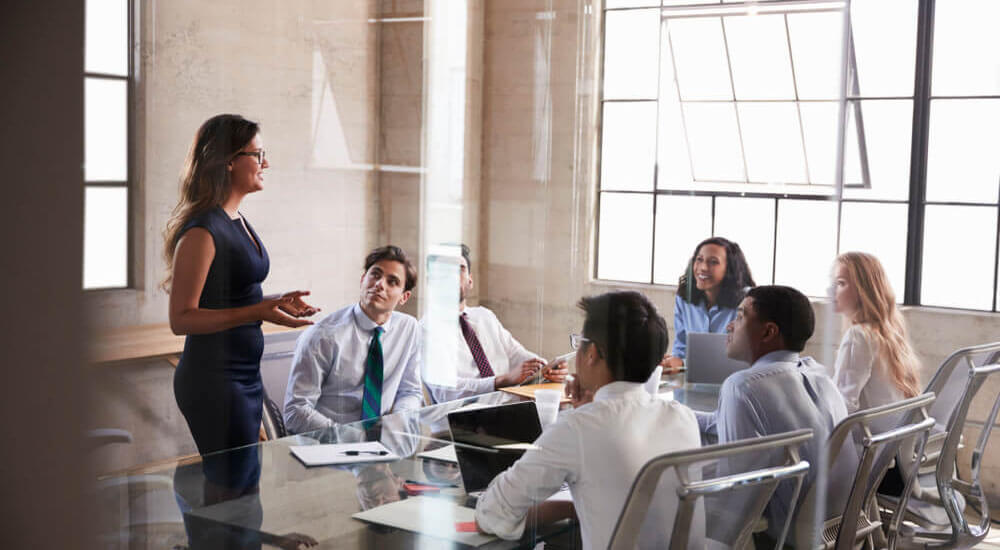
point(916, 200)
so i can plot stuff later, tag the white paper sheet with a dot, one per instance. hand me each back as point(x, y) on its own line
point(335, 453)
point(444, 454)
point(436, 517)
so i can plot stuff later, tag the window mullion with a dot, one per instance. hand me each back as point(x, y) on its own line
point(918, 152)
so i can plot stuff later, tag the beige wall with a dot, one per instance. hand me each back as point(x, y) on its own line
point(279, 64)
point(529, 198)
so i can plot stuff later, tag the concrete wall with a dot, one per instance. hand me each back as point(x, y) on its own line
point(539, 198)
point(307, 72)
point(529, 194)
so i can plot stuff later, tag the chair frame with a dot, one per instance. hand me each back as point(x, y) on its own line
point(641, 494)
point(877, 452)
point(962, 534)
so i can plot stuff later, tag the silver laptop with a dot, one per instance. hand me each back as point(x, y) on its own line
point(706, 360)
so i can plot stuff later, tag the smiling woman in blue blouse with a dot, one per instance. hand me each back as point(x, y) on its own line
point(708, 293)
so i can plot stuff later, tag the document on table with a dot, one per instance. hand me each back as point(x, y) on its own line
point(342, 453)
point(436, 517)
point(529, 391)
point(443, 454)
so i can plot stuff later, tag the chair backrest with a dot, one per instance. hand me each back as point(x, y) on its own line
point(690, 489)
point(276, 363)
point(272, 419)
point(969, 369)
point(857, 436)
point(951, 381)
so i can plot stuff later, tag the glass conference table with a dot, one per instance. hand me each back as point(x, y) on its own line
point(261, 496)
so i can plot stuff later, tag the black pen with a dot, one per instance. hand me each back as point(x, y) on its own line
point(356, 453)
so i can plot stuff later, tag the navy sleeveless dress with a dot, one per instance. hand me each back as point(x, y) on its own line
point(217, 383)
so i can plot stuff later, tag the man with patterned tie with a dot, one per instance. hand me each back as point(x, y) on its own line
point(362, 361)
point(491, 357)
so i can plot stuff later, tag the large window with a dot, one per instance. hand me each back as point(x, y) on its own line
point(724, 120)
point(107, 87)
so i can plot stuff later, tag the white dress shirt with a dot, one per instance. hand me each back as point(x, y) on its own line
point(598, 449)
point(502, 350)
point(326, 383)
point(862, 377)
point(779, 393)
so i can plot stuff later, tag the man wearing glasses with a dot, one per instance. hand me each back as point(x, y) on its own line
point(489, 357)
point(598, 448)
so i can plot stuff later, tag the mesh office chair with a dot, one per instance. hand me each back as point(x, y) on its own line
point(956, 383)
point(858, 436)
point(689, 491)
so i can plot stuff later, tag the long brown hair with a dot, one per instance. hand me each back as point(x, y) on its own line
point(881, 320)
point(205, 180)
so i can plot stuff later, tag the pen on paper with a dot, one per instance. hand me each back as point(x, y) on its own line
point(355, 452)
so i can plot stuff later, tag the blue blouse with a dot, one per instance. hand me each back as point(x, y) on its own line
point(695, 318)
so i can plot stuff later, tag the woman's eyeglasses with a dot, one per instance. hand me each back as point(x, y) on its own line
point(259, 155)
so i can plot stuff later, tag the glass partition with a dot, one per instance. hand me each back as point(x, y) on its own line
point(523, 156)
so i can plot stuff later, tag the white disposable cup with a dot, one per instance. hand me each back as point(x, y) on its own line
point(547, 402)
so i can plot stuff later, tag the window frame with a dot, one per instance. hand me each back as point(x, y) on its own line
point(131, 172)
point(920, 136)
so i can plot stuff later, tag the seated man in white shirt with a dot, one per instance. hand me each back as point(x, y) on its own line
point(598, 448)
point(780, 392)
point(362, 361)
point(489, 357)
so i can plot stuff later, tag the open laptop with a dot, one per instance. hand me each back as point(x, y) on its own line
point(707, 368)
point(491, 439)
point(706, 360)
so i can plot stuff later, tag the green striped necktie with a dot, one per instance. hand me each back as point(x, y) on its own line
point(371, 403)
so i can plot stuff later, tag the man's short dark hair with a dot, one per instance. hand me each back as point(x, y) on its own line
point(465, 254)
point(395, 254)
point(629, 332)
point(789, 309)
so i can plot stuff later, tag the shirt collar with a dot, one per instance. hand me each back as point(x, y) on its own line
point(778, 356)
point(365, 323)
point(618, 389)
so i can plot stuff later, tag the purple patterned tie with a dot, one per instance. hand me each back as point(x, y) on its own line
point(482, 362)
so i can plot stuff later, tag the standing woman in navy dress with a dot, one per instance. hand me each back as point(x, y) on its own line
point(216, 263)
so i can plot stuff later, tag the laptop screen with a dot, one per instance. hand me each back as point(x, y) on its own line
point(481, 435)
point(706, 360)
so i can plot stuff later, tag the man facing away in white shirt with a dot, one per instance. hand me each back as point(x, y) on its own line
point(780, 392)
point(489, 357)
point(363, 360)
point(599, 447)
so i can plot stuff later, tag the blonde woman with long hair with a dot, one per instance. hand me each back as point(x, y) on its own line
point(875, 363)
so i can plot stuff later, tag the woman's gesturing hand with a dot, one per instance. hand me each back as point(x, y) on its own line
point(297, 307)
point(282, 311)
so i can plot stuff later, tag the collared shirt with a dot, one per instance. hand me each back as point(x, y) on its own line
point(326, 383)
point(502, 350)
point(862, 378)
point(598, 449)
point(697, 318)
point(779, 393)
